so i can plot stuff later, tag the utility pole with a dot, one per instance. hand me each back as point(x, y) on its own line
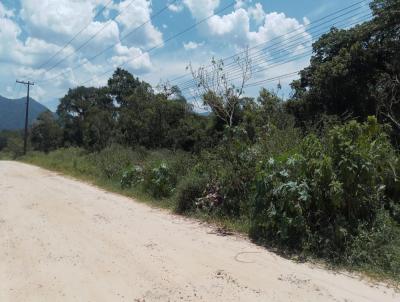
point(28, 84)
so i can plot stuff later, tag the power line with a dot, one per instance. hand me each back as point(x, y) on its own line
point(287, 75)
point(167, 40)
point(268, 80)
point(290, 32)
point(270, 47)
point(260, 54)
point(106, 24)
point(237, 71)
point(152, 17)
point(270, 66)
point(74, 37)
point(189, 28)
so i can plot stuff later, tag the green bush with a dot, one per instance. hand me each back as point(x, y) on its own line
point(377, 249)
point(113, 160)
point(189, 190)
point(321, 197)
point(132, 176)
point(229, 168)
point(159, 181)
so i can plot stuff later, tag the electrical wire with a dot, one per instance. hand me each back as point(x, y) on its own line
point(112, 45)
point(74, 37)
point(166, 41)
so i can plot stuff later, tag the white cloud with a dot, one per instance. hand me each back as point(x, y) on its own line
point(201, 8)
point(240, 4)
point(277, 24)
point(257, 13)
point(235, 28)
point(9, 32)
point(134, 14)
point(32, 35)
point(50, 24)
point(306, 21)
point(29, 52)
point(192, 45)
point(132, 57)
point(175, 7)
point(58, 21)
point(5, 12)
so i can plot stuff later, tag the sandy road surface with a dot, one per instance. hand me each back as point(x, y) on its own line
point(63, 240)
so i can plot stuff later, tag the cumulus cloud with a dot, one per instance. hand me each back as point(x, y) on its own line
point(50, 24)
point(201, 8)
point(192, 45)
point(236, 22)
point(133, 15)
point(31, 35)
point(14, 50)
point(240, 4)
point(9, 32)
point(58, 21)
point(277, 24)
point(235, 27)
point(131, 57)
point(257, 13)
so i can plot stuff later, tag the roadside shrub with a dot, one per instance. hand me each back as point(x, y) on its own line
point(392, 189)
point(113, 160)
point(320, 198)
point(159, 181)
point(132, 176)
point(14, 147)
point(229, 169)
point(189, 190)
point(377, 249)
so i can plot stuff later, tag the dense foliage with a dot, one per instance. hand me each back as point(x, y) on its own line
point(354, 72)
point(322, 196)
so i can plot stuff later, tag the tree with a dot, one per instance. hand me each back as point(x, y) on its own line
point(46, 133)
point(218, 90)
point(348, 66)
point(123, 85)
point(81, 108)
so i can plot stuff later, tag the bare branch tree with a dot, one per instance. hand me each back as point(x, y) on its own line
point(217, 90)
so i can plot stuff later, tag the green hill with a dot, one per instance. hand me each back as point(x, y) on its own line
point(12, 112)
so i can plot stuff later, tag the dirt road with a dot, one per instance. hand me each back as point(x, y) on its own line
point(64, 240)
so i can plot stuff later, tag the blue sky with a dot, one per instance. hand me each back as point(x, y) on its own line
point(32, 31)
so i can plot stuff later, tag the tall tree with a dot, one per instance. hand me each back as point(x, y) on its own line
point(80, 109)
point(348, 66)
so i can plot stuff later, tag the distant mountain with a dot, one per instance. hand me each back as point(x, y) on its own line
point(12, 112)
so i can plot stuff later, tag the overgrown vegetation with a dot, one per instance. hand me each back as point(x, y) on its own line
point(316, 175)
point(324, 197)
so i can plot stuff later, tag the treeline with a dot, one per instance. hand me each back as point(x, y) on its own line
point(127, 111)
point(317, 174)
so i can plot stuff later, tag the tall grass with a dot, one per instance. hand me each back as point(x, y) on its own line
point(105, 168)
